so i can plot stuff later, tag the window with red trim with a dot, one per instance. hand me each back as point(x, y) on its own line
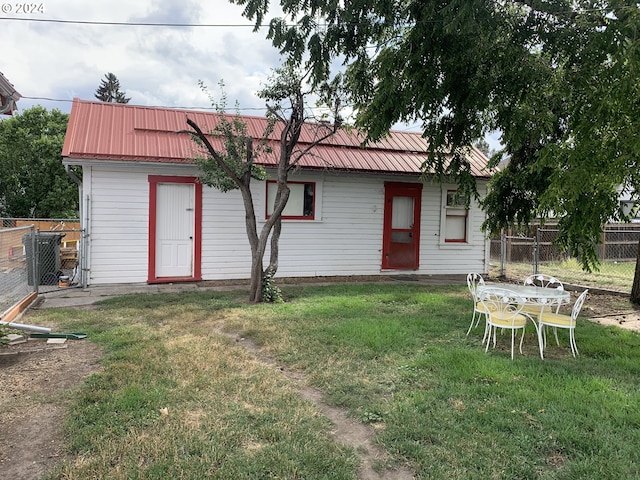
point(301, 204)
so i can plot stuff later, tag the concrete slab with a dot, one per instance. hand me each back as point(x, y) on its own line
point(79, 297)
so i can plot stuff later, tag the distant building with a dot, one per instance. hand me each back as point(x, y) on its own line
point(8, 96)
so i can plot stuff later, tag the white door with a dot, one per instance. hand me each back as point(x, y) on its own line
point(174, 229)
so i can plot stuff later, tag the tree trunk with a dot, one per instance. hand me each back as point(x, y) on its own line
point(635, 288)
point(275, 246)
point(258, 244)
point(255, 288)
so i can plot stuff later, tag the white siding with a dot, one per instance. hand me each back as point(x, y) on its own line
point(348, 239)
point(345, 238)
point(225, 248)
point(438, 257)
point(118, 209)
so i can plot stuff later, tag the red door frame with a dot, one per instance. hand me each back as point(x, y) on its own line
point(197, 227)
point(399, 189)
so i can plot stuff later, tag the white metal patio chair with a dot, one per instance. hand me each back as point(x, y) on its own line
point(504, 310)
point(559, 320)
point(473, 281)
point(534, 307)
point(543, 280)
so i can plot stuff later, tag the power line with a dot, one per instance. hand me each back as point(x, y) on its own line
point(243, 25)
point(177, 107)
point(131, 24)
point(63, 100)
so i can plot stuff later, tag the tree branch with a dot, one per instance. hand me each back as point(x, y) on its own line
point(199, 134)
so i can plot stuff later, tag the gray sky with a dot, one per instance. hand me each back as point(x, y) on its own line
point(52, 62)
point(156, 65)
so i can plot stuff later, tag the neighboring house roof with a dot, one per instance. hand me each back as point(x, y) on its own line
point(101, 131)
point(8, 96)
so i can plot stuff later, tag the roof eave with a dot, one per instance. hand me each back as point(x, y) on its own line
point(8, 90)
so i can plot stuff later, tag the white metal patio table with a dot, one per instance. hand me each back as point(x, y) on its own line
point(534, 295)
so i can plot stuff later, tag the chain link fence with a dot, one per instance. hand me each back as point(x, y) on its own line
point(518, 256)
point(33, 259)
point(14, 284)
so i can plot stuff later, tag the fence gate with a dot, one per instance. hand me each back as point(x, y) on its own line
point(14, 284)
point(39, 260)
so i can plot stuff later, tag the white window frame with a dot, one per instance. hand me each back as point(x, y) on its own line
point(447, 211)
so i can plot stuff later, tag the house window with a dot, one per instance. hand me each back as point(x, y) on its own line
point(456, 218)
point(301, 203)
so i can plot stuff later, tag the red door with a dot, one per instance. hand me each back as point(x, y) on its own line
point(401, 235)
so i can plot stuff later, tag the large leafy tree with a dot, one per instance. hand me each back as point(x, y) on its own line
point(109, 90)
point(558, 78)
point(33, 182)
point(234, 165)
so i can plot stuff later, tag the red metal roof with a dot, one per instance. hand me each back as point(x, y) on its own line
point(121, 132)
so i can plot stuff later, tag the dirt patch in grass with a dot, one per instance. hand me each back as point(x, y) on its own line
point(35, 379)
point(607, 309)
point(375, 464)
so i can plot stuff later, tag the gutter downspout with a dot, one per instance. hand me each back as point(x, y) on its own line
point(74, 177)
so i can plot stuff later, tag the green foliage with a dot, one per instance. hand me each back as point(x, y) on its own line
point(33, 182)
point(4, 332)
point(238, 152)
point(270, 291)
point(559, 79)
point(109, 90)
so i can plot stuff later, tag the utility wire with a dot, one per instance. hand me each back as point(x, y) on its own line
point(63, 100)
point(251, 25)
point(132, 24)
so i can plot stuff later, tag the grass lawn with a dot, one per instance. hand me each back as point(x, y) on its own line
point(610, 274)
point(178, 399)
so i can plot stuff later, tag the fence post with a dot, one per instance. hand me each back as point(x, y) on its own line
point(536, 251)
point(503, 252)
point(82, 264)
point(36, 259)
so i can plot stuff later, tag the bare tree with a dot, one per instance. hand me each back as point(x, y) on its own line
point(234, 167)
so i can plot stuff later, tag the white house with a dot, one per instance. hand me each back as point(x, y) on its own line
point(352, 211)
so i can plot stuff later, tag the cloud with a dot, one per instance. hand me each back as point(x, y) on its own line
point(156, 65)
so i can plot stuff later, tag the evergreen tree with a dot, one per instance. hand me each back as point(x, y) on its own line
point(109, 90)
